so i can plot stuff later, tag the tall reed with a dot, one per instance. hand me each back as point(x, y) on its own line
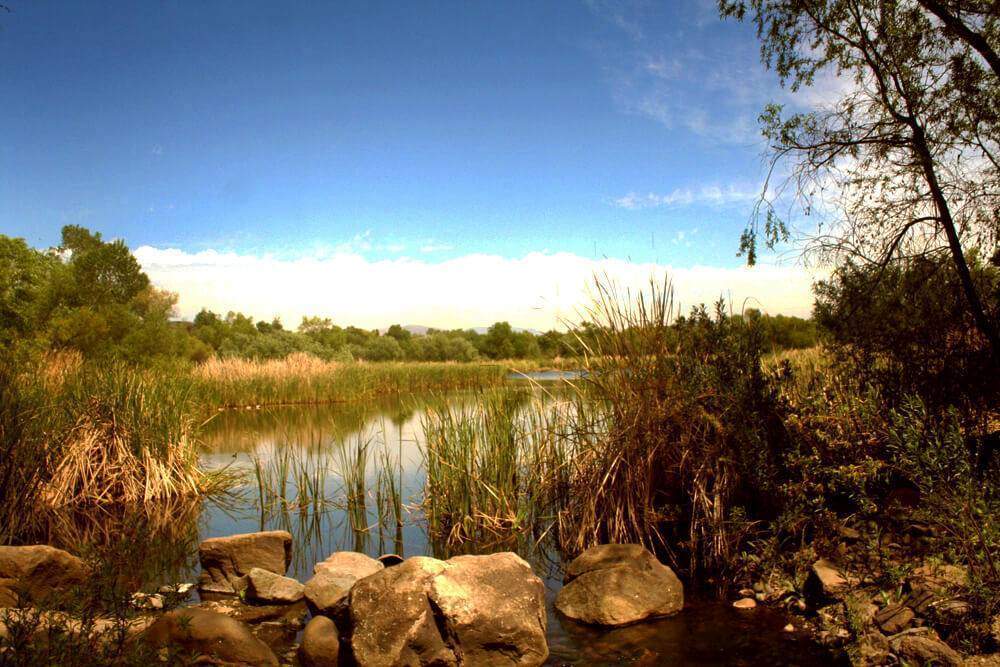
point(677, 437)
point(491, 468)
point(304, 379)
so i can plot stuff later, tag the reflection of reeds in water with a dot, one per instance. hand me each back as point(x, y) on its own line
point(165, 537)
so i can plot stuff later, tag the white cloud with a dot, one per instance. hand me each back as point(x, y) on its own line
point(538, 290)
point(710, 195)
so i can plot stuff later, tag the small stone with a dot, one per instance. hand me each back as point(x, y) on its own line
point(147, 601)
point(789, 628)
point(320, 644)
point(745, 603)
point(747, 592)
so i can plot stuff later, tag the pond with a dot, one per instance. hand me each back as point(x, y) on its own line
point(317, 444)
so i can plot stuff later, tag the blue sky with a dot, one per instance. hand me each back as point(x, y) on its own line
point(427, 132)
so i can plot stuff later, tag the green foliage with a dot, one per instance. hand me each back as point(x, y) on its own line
point(907, 328)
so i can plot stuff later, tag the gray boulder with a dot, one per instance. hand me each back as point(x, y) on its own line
point(270, 588)
point(226, 561)
point(469, 610)
point(332, 580)
point(320, 645)
point(618, 584)
point(38, 573)
point(210, 634)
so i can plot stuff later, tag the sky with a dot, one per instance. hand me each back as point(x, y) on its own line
point(445, 164)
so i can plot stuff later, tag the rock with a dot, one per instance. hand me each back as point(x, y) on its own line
point(872, 649)
point(894, 618)
point(40, 572)
point(147, 601)
point(176, 589)
point(226, 561)
point(995, 629)
point(749, 592)
point(211, 634)
point(789, 628)
point(320, 643)
point(617, 584)
point(271, 588)
point(745, 603)
point(847, 533)
point(987, 660)
point(252, 614)
point(469, 610)
point(494, 608)
point(326, 592)
point(922, 650)
point(825, 582)
point(938, 579)
point(9, 595)
point(388, 560)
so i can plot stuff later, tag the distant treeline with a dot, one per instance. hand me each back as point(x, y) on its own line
point(92, 296)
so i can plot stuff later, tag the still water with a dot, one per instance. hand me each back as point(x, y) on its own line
point(319, 443)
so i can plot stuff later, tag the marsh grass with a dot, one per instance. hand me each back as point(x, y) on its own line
point(304, 379)
point(492, 468)
point(77, 436)
point(674, 443)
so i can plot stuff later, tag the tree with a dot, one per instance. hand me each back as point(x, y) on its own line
point(910, 154)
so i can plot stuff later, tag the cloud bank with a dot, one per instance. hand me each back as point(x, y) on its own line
point(539, 290)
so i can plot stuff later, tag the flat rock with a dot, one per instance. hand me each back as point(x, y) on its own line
point(825, 581)
point(320, 643)
point(745, 603)
point(39, 572)
point(210, 634)
point(894, 618)
point(271, 588)
point(226, 561)
point(332, 580)
point(469, 610)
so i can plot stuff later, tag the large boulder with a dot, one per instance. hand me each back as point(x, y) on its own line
point(212, 635)
point(226, 561)
point(39, 573)
point(270, 588)
point(320, 645)
point(332, 580)
point(469, 610)
point(618, 584)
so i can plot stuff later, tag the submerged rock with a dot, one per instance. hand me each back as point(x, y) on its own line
point(320, 643)
point(469, 610)
point(745, 603)
point(226, 561)
point(210, 634)
point(332, 580)
point(38, 573)
point(617, 584)
point(271, 588)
